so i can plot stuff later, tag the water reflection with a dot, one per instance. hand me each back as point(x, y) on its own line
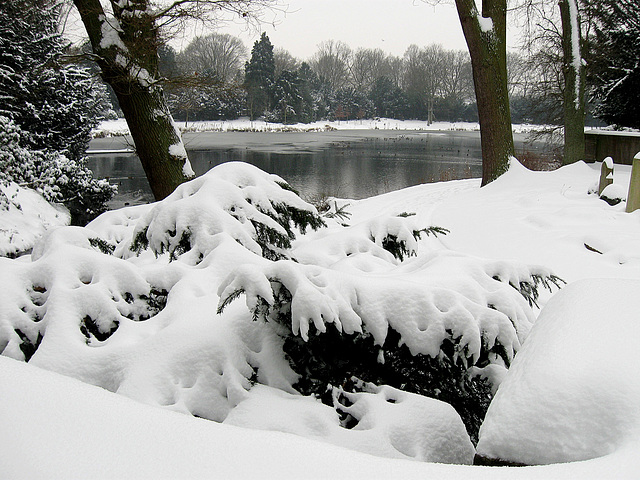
point(353, 169)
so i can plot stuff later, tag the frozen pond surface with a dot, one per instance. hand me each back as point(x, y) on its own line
point(346, 164)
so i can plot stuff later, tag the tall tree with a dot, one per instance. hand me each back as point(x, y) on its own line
point(47, 111)
point(486, 36)
point(260, 76)
point(218, 55)
point(125, 38)
point(331, 63)
point(574, 82)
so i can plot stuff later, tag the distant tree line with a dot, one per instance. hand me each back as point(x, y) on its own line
point(216, 78)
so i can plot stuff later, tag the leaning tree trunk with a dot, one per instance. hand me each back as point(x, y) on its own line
point(126, 50)
point(486, 37)
point(574, 83)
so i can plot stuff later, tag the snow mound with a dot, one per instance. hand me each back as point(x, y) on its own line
point(24, 217)
point(573, 390)
point(382, 421)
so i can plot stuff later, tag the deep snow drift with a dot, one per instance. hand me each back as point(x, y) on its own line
point(128, 304)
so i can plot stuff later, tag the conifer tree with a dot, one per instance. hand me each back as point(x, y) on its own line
point(47, 111)
point(56, 105)
point(260, 77)
point(615, 61)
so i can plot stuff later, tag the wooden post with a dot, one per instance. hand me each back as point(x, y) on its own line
point(606, 174)
point(633, 198)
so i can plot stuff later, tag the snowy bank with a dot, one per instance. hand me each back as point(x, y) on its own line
point(119, 127)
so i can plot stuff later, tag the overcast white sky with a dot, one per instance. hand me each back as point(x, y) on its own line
point(391, 25)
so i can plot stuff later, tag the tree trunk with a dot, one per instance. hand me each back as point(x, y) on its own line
point(574, 83)
point(486, 38)
point(126, 50)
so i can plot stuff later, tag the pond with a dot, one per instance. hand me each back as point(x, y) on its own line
point(346, 164)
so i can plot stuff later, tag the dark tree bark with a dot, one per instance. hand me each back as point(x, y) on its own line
point(126, 49)
point(574, 83)
point(486, 35)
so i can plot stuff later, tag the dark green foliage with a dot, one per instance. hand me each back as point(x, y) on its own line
point(333, 358)
point(398, 248)
point(140, 241)
point(28, 347)
point(102, 245)
point(58, 105)
point(287, 98)
point(92, 329)
point(614, 60)
point(388, 99)
point(260, 77)
point(351, 104)
point(529, 289)
point(287, 217)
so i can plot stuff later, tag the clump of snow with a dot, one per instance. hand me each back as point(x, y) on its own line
point(486, 23)
point(24, 217)
point(388, 422)
point(614, 194)
point(572, 393)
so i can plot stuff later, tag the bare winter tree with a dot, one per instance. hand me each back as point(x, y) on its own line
point(331, 63)
point(283, 60)
point(367, 65)
point(125, 36)
point(555, 39)
point(220, 56)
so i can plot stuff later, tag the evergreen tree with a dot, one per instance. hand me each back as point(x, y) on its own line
point(47, 112)
point(388, 99)
point(260, 77)
point(58, 105)
point(287, 98)
point(615, 61)
point(351, 104)
point(307, 80)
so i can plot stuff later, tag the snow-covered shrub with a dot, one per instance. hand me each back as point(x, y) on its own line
point(420, 327)
point(258, 210)
point(58, 178)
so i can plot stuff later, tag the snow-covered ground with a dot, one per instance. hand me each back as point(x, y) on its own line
point(142, 370)
point(119, 127)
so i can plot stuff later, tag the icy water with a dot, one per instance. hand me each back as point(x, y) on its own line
point(346, 164)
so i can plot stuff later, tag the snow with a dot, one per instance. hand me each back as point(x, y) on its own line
point(25, 219)
point(142, 325)
point(486, 23)
point(119, 127)
point(391, 423)
point(573, 391)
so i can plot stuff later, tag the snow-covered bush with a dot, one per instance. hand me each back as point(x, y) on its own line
point(57, 178)
point(128, 303)
point(258, 210)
